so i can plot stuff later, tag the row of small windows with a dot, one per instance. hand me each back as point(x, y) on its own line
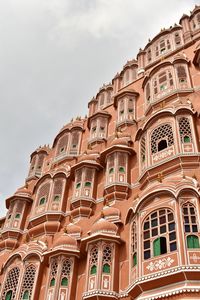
point(164, 45)
point(163, 137)
point(106, 261)
point(166, 81)
point(68, 144)
point(11, 284)
point(59, 276)
point(160, 234)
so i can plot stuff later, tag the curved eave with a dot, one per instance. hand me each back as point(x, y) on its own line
point(85, 163)
point(124, 92)
point(194, 12)
point(101, 113)
point(17, 197)
point(61, 250)
point(184, 16)
point(50, 176)
point(99, 236)
point(161, 33)
point(114, 148)
point(165, 112)
point(104, 88)
point(94, 100)
point(164, 189)
point(39, 151)
point(68, 128)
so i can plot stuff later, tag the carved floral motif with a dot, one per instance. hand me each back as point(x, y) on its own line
point(160, 264)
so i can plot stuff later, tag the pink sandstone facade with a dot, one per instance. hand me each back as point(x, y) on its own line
point(111, 210)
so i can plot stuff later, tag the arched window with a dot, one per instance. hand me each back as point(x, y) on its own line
point(11, 283)
point(62, 144)
point(177, 39)
point(111, 165)
point(93, 260)
point(159, 233)
point(26, 295)
point(117, 167)
point(65, 273)
point(9, 295)
point(32, 166)
point(181, 73)
point(75, 136)
point(43, 193)
point(107, 258)
point(161, 138)
point(101, 101)
point(28, 282)
point(190, 225)
point(134, 244)
point(53, 272)
point(94, 128)
point(52, 282)
point(57, 190)
point(185, 130)
point(149, 55)
point(40, 161)
point(143, 151)
point(148, 93)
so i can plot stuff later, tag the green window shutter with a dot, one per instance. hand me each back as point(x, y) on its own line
point(106, 268)
point(156, 247)
point(17, 216)
point(192, 242)
point(93, 270)
point(88, 183)
point(9, 295)
point(111, 170)
point(121, 170)
point(196, 242)
point(186, 139)
point(134, 259)
point(42, 201)
point(52, 282)
point(78, 185)
point(26, 295)
point(56, 198)
point(64, 281)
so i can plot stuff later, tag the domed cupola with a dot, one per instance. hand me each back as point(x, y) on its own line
point(111, 214)
point(105, 227)
point(73, 230)
point(65, 242)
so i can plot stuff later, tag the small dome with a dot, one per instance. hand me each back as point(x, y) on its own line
point(111, 213)
point(65, 241)
point(73, 230)
point(104, 226)
point(120, 141)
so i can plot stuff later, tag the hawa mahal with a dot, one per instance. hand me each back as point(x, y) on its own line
point(111, 210)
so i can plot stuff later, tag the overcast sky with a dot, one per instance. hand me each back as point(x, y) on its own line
point(54, 56)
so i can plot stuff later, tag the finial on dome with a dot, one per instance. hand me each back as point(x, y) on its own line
point(102, 214)
point(194, 177)
point(160, 177)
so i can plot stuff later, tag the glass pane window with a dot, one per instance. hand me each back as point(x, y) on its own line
point(159, 233)
point(189, 218)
